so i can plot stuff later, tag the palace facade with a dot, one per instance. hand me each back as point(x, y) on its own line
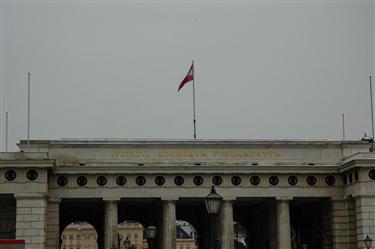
point(282, 194)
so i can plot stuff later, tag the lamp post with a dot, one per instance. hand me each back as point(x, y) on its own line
point(150, 235)
point(213, 202)
point(118, 241)
point(126, 243)
point(368, 242)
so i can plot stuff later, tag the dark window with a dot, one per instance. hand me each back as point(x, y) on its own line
point(121, 180)
point(10, 175)
point(236, 180)
point(217, 180)
point(274, 180)
point(198, 180)
point(81, 181)
point(311, 180)
point(101, 180)
point(350, 178)
point(32, 174)
point(179, 180)
point(345, 180)
point(292, 180)
point(371, 174)
point(140, 180)
point(7, 217)
point(62, 181)
point(330, 180)
point(159, 180)
point(254, 180)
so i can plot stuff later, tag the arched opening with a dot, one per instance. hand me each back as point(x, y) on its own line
point(79, 235)
point(134, 232)
point(240, 236)
point(186, 235)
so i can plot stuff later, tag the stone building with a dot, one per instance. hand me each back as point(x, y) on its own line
point(284, 194)
point(82, 235)
point(79, 235)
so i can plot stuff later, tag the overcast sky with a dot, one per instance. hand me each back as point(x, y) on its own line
point(264, 70)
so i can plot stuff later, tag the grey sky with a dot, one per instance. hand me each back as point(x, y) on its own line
point(272, 70)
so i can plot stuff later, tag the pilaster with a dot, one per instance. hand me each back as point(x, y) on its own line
point(339, 224)
point(365, 214)
point(53, 223)
point(31, 220)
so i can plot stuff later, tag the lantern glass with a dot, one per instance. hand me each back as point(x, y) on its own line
point(368, 242)
point(213, 202)
point(151, 232)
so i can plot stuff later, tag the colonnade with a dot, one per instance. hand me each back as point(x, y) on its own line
point(37, 222)
point(226, 234)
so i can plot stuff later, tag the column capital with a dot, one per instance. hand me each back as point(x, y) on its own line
point(284, 198)
point(338, 199)
point(169, 199)
point(230, 199)
point(56, 200)
point(111, 199)
point(363, 196)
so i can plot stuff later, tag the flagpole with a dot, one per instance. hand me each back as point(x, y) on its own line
point(28, 108)
point(194, 120)
point(343, 126)
point(6, 131)
point(372, 116)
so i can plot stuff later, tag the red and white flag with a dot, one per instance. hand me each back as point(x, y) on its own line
point(189, 77)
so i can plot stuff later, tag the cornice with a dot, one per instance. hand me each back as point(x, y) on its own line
point(186, 143)
point(27, 163)
point(197, 169)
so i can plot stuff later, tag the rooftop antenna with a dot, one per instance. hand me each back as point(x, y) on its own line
point(372, 117)
point(343, 126)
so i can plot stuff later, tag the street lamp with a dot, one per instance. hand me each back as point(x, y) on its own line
point(150, 235)
point(368, 242)
point(126, 243)
point(213, 202)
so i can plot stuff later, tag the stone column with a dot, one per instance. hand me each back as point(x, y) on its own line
point(31, 220)
point(169, 225)
point(226, 225)
point(283, 225)
point(272, 224)
point(53, 223)
point(365, 209)
point(110, 223)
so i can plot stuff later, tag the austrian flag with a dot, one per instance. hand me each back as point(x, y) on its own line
point(189, 77)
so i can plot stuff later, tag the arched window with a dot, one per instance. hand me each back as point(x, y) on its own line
point(133, 231)
point(79, 235)
point(186, 235)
